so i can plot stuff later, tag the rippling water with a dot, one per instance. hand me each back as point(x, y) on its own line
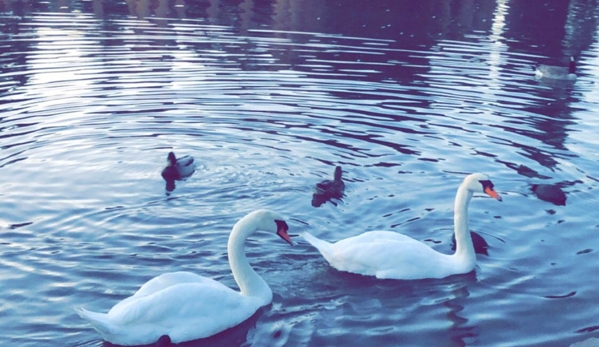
point(269, 98)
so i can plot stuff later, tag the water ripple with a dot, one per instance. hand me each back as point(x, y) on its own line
point(92, 106)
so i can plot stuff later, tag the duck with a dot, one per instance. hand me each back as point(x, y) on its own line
point(329, 189)
point(550, 193)
point(557, 72)
point(178, 168)
point(391, 255)
point(182, 306)
point(480, 244)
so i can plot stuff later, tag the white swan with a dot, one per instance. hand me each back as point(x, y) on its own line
point(387, 254)
point(185, 306)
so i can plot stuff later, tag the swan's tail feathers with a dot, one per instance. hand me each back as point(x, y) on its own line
point(99, 321)
point(325, 248)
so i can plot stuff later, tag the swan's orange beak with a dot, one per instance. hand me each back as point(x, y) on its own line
point(492, 193)
point(283, 234)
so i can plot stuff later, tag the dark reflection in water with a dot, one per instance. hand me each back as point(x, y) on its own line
point(404, 20)
point(557, 29)
point(540, 21)
point(461, 331)
point(170, 185)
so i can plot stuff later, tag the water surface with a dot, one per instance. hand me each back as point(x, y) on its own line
point(269, 97)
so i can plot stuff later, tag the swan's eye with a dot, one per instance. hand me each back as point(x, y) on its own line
point(486, 184)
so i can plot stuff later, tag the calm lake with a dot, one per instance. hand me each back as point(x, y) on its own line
point(268, 97)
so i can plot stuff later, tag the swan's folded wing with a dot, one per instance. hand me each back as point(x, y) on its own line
point(209, 307)
point(168, 279)
point(170, 301)
point(384, 255)
point(162, 282)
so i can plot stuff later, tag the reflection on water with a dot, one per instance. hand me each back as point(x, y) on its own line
point(461, 331)
point(408, 21)
point(268, 95)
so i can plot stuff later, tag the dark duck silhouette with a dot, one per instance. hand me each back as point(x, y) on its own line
point(550, 193)
point(163, 341)
point(329, 189)
point(177, 169)
point(554, 72)
point(480, 245)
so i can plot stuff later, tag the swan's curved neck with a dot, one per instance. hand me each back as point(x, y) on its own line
point(249, 282)
point(464, 247)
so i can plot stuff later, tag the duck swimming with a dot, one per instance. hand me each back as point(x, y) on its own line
point(329, 189)
point(391, 255)
point(550, 193)
point(178, 168)
point(480, 244)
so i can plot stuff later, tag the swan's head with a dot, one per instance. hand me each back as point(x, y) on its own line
point(480, 183)
point(270, 221)
point(171, 159)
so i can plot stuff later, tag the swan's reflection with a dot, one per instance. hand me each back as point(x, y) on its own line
point(459, 330)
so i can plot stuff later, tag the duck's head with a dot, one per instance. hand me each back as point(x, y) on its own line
point(480, 183)
point(171, 159)
point(338, 173)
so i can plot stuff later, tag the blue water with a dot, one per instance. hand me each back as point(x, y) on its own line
point(269, 97)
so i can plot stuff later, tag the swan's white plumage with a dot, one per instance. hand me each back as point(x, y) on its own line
point(184, 311)
point(386, 254)
point(186, 306)
point(378, 253)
